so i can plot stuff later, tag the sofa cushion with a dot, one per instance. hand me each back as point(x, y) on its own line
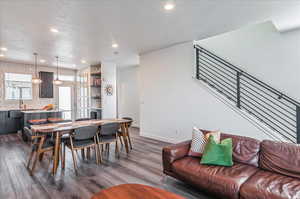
point(245, 150)
point(37, 121)
point(265, 185)
point(219, 180)
point(283, 158)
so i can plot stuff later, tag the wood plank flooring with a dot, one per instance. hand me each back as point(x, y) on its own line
point(143, 165)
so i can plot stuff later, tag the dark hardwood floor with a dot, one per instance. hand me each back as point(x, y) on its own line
point(143, 165)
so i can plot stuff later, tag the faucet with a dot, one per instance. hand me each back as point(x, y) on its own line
point(21, 101)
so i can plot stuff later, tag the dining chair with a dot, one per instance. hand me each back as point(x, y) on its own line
point(83, 150)
point(39, 145)
point(127, 134)
point(82, 138)
point(25, 137)
point(108, 134)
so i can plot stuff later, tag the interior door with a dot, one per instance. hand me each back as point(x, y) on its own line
point(65, 98)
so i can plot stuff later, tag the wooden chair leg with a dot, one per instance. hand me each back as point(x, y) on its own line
point(41, 157)
point(100, 154)
point(120, 138)
point(63, 159)
point(37, 154)
point(107, 148)
point(129, 140)
point(56, 153)
point(123, 127)
point(34, 163)
point(83, 154)
point(50, 159)
point(88, 153)
point(98, 148)
point(74, 160)
point(60, 154)
point(96, 153)
point(117, 149)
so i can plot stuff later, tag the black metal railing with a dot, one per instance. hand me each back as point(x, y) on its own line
point(270, 106)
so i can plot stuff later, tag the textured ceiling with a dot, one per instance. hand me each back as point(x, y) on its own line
point(87, 28)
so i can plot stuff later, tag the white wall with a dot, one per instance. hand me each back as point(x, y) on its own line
point(262, 51)
point(172, 102)
point(128, 93)
point(109, 103)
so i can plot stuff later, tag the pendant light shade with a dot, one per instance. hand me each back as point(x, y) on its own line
point(57, 81)
point(35, 79)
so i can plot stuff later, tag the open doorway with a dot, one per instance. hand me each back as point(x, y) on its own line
point(65, 96)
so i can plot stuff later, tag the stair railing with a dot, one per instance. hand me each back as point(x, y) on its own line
point(276, 110)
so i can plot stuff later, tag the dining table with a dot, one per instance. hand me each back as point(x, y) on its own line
point(58, 129)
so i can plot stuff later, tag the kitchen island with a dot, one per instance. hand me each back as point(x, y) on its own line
point(14, 120)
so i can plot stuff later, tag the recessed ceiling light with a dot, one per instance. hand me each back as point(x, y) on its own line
point(115, 45)
point(169, 6)
point(54, 30)
point(1, 55)
point(83, 61)
point(3, 49)
point(42, 61)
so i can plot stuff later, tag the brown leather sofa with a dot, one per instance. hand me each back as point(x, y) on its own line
point(261, 170)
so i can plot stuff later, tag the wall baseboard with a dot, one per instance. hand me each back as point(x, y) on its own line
point(159, 138)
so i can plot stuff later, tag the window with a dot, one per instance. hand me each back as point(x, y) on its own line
point(18, 86)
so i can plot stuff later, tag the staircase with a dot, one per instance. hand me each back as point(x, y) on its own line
point(274, 110)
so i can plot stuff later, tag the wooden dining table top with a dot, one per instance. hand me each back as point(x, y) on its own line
point(135, 191)
point(67, 126)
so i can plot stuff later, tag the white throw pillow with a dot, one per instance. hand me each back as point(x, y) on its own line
point(198, 143)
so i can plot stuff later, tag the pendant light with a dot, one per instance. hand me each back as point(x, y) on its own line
point(36, 79)
point(169, 5)
point(57, 81)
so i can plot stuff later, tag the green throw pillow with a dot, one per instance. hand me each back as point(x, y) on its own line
point(218, 154)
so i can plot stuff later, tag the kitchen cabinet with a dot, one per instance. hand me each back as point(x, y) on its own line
point(10, 121)
point(2, 122)
point(46, 87)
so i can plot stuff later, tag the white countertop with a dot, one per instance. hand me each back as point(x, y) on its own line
point(96, 108)
point(42, 111)
point(9, 109)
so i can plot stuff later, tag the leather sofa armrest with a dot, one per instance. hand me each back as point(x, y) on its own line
point(174, 152)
